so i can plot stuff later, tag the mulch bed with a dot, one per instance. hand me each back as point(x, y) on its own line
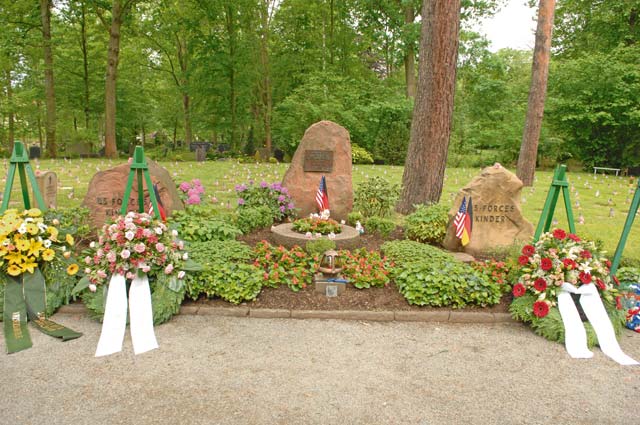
point(373, 299)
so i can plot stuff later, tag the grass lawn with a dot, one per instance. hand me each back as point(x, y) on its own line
point(594, 198)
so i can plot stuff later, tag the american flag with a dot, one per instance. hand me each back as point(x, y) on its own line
point(322, 197)
point(161, 211)
point(462, 222)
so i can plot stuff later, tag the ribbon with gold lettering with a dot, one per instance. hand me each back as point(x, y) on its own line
point(25, 298)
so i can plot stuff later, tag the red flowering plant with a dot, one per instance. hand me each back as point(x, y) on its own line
point(497, 271)
point(556, 258)
point(280, 265)
point(365, 269)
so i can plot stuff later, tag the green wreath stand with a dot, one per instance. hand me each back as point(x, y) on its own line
point(165, 300)
point(25, 296)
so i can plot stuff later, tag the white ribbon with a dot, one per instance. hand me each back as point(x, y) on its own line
point(115, 317)
point(575, 335)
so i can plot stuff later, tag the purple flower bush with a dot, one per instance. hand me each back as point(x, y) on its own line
point(191, 192)
point(273, 196)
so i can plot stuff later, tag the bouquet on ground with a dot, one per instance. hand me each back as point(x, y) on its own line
point(318, 225)
point(27, 242)
point(136, 244)
point(545, 266)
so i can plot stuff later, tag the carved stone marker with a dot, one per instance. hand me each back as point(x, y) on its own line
point(497, 217)
point(106, 189)
point(325, 149)
point(48, 185)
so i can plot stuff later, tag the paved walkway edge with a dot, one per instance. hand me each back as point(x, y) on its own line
point(452, 316)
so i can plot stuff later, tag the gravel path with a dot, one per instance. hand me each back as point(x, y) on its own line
point(226, 370)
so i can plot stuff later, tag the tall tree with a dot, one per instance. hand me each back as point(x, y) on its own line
point(49, 89)
point(537, 93)
point(423, 175)
point(265, 10)
point(119, 9)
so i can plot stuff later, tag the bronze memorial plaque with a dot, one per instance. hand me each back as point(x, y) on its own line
point(318, 161)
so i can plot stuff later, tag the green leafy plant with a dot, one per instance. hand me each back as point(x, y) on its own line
point(360, 155)
point(384, 226)
point(201, 223)
point(74, 221)
point(497, 272)
point(319, 246)
point(315, 225)
point(447, 283)
point(280, 265)
point(376, 197)
point(428, 223)
point(406, 251)
point(355, 216)
point(236, 282)
point(252, 218)
point(365, 269)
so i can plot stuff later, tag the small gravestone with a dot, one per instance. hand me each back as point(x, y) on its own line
point(497, 217)
point(48, 185)
point(106, 190)
point(325, 149)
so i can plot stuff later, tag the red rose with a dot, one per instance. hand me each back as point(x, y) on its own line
point(519, 290)
point(523, 260)
point(584, 277)
point(540, 284)
point(528, 250)
point(559, 234)
point(573, 237)
point(600, 284)
point(569, 263)
point(546, 264)
point(540, 309)
point(585, 254)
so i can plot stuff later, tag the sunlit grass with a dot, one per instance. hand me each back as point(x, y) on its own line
point(592, 197)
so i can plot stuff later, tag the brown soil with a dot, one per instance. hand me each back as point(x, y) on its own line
point(379, 299)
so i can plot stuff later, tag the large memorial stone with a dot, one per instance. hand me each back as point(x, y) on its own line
point(325, 149)
point(48, 184)
point(497, 217)
point(106, 191)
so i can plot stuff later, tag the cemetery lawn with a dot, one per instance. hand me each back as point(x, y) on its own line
point(603, 201)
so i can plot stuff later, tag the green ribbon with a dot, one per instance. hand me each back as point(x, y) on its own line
point(25, 297)
point(16, 334)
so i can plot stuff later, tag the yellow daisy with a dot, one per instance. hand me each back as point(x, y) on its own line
point(14, 270)
point(69, 239)
point(32, 228)
point(72, 269)
point(23, 244)
point(48, 254)
point(53, 232)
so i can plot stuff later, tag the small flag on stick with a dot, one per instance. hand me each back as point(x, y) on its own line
point(463, 222)
point(161, 211)
point(322, 197)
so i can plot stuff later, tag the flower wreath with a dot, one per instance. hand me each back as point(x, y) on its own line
point(29, 239)
point(556, 258)
point(136, 243)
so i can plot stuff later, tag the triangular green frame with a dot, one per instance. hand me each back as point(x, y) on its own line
point(558, 184)
point(20, 161)
point(633, 209)
point(140, 168)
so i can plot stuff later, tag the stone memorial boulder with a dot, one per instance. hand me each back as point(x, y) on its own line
point(106, 190)
point(325, 149)
point(497, 217)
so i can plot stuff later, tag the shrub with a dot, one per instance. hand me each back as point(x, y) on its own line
point(365, 269)
point(236, 282)
point(198, 223)
point(384, 226)
point(252, 218)
point(445, 283)
point(273, 196)
point(360, 155)
point(376, 197)
point(401, 252)
point(191, 192)
point(428, 223)
point(293, 267)
point(354, 217)
point(319, 246)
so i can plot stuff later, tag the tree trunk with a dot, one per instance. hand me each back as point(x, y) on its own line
point(537, 93)
point(267, 99)
point(183, 60)
point(85, 64)
point(423, 175)
point(231, 30)
point(409, 58)
point(49, 90)
point(118, 10)
point(10, 114)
